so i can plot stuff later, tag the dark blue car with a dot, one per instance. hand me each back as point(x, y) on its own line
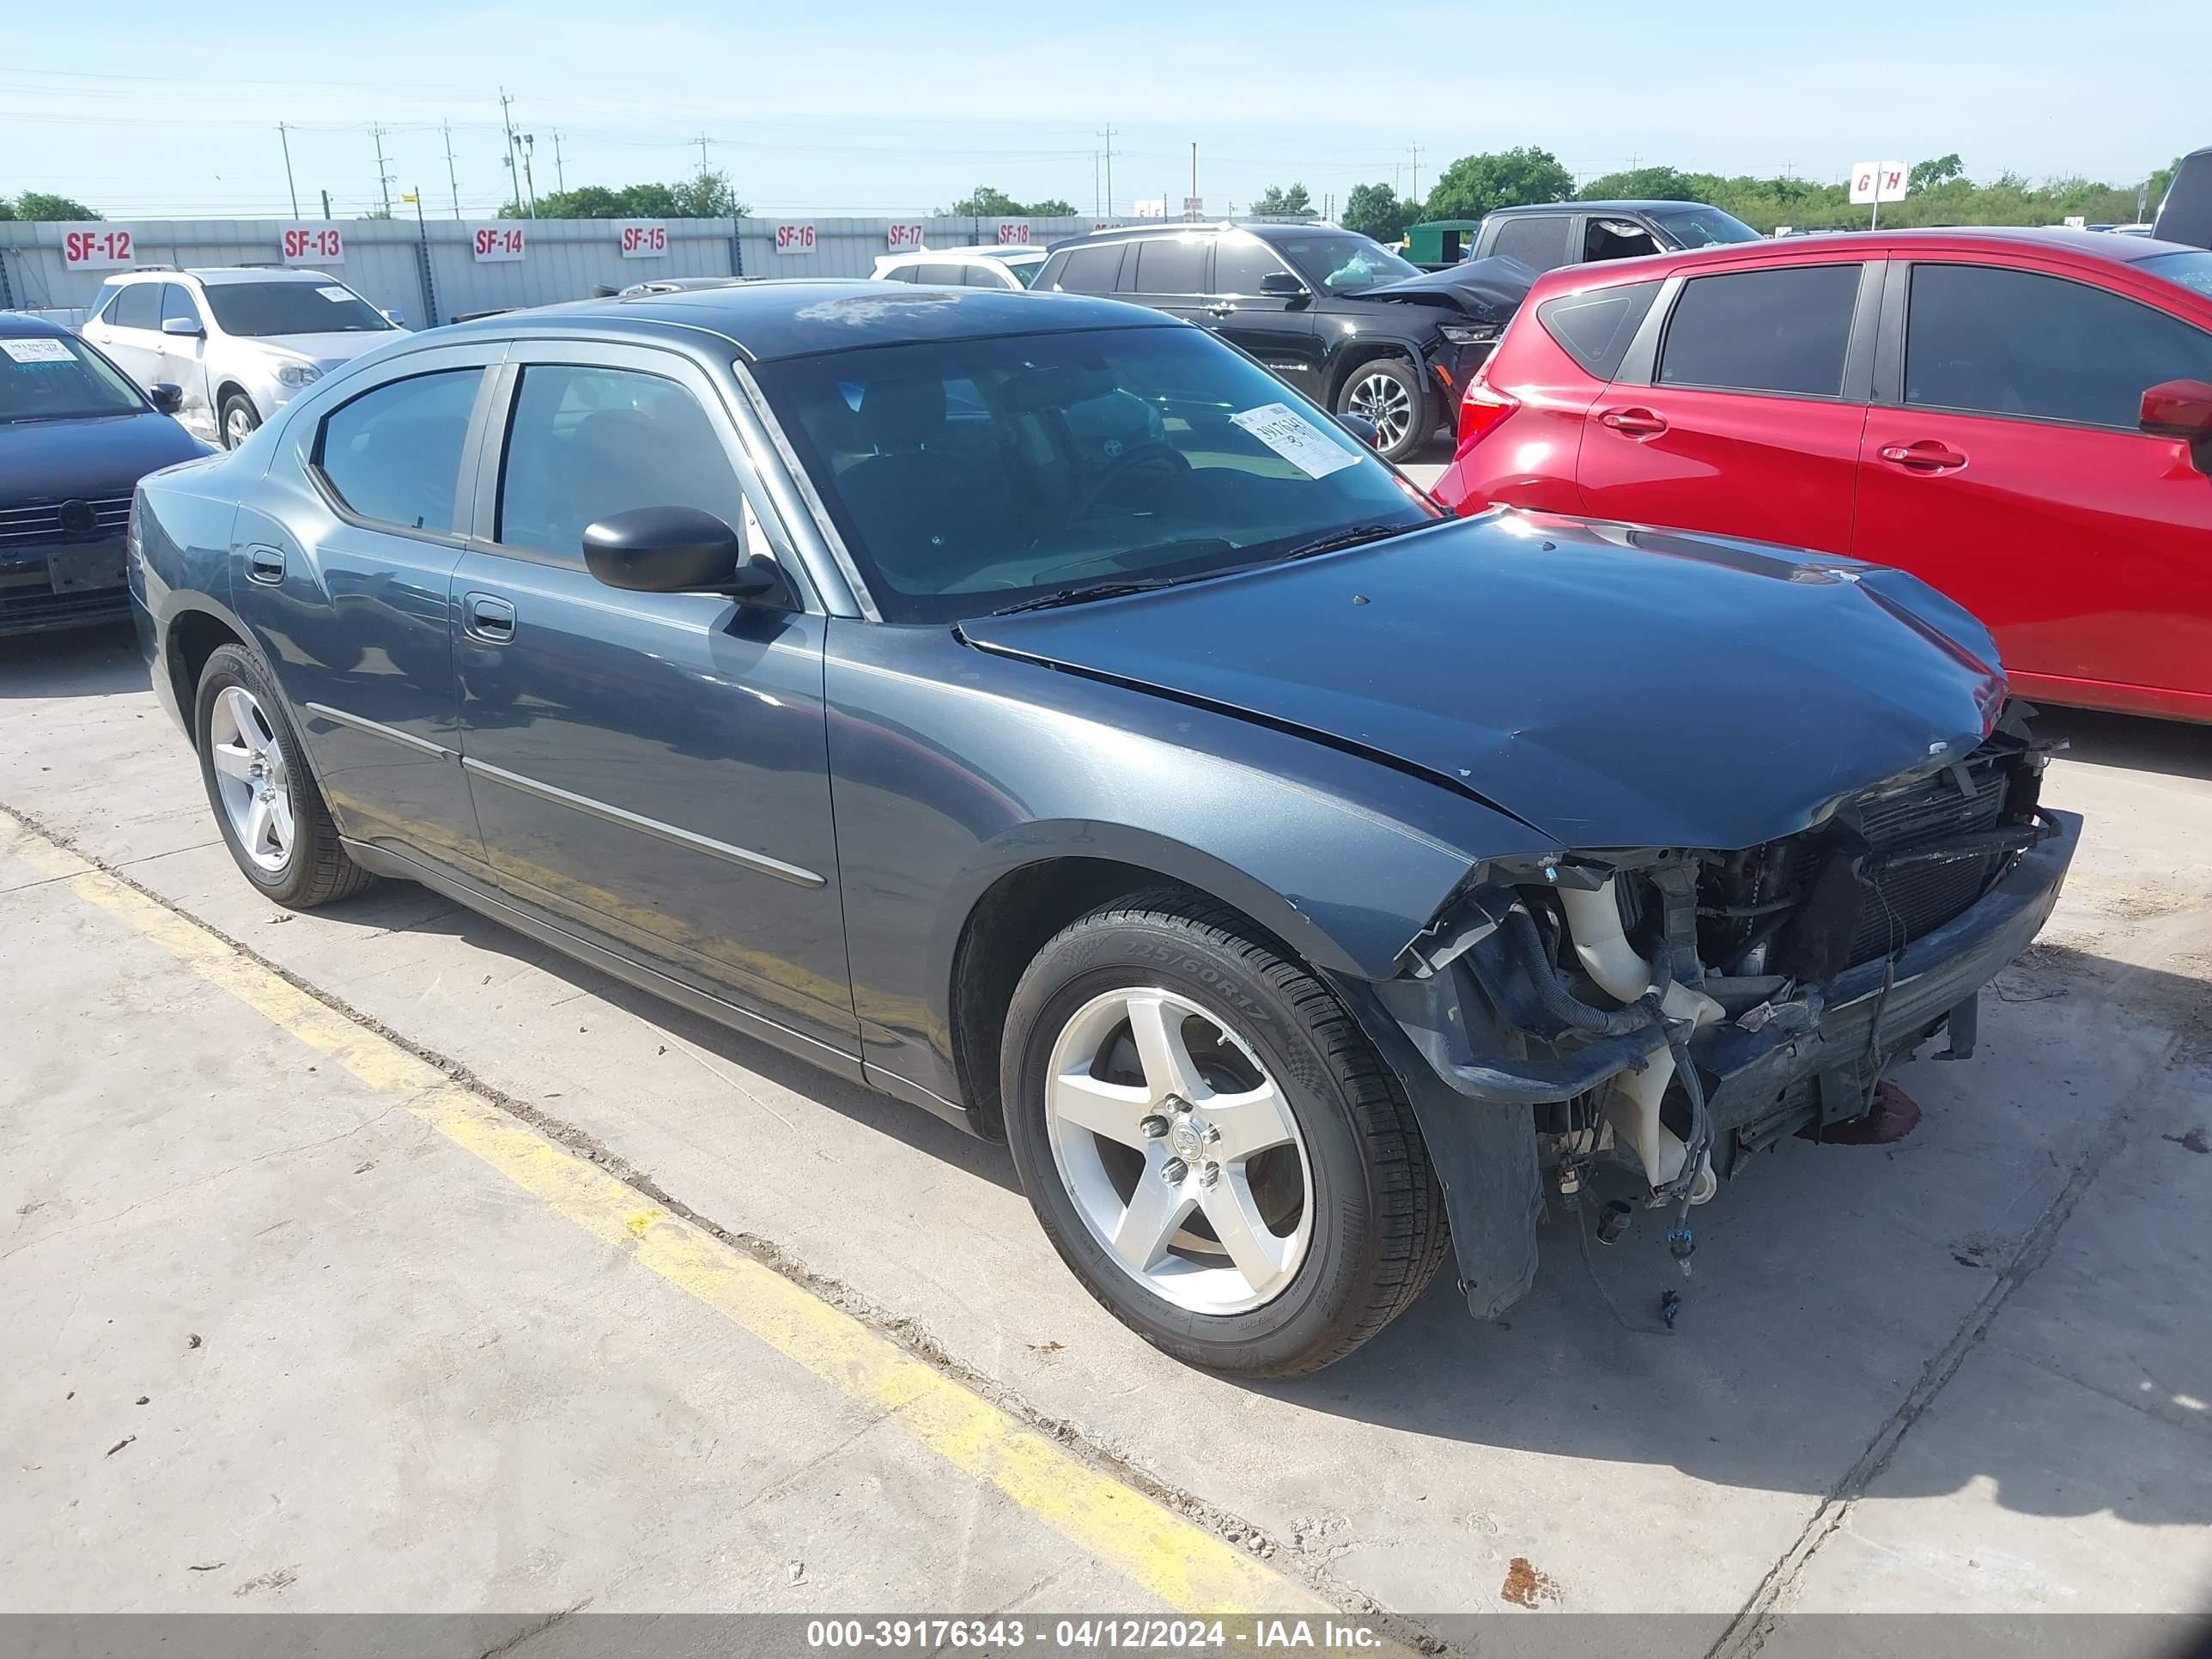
point(76, 436)
point(1030, 708)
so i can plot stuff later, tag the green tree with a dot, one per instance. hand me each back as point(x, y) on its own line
point(1640, 184)
point(1474, 184)
point(703, 196)
point(44, 207)
point(986, 202)
point(1276, 199)
point(1941, 171)
point(1376, 210)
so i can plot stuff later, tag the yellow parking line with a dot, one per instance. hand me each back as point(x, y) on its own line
point(1167, 1557)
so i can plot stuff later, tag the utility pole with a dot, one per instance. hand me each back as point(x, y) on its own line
point(560, 175)
point(383, 174)
point(705, 166)
point(1191, 212)
point(530, 149)
point(453, 183)
point(1108, 135)
point(1417, 173)
point(326, 205)
point(285, 139)
point(514, 172)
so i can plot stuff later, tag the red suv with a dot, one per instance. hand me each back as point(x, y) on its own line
point(2022, 418)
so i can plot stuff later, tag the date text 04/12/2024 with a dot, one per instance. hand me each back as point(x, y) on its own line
point(1260, 1634)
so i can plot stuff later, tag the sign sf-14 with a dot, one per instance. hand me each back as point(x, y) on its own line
point(498, 244)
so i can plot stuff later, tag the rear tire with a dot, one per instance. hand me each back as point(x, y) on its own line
point(1323, 1238)
point(263, 791)
point(1388, 392)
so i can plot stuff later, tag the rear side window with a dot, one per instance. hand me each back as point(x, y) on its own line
point(1090, 269)
point(1594, 328)
point(2014, 343)
point(1171, 265)
point(139, 306)
point(1785, 330)
point(585, 443)
point(941, 276)
point(394, 454)
point(1542, 242)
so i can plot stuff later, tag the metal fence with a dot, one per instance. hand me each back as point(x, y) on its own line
point(431, 272)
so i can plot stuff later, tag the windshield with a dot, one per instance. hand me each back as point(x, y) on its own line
point(1340, 262)
point(43, 378)
point(967, 475)
point(270, 308)
point(2192, 269)
point(1702, 226)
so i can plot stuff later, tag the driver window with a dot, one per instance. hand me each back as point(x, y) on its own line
point(1617, 239)
point(586, 442)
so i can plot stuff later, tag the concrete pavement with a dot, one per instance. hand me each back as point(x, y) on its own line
point(1971, 1368)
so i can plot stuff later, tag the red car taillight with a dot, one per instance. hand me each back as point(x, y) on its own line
point(1483, 408)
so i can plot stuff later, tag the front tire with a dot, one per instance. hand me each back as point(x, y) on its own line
point(1211, 1142)
point(1386, 391)
point(263, 794)
point(239, 419)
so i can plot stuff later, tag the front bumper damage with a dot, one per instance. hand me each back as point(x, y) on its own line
point(1482, 1087)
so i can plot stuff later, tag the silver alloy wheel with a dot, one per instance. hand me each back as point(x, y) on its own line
point(1384, 400)
point(251, 777)
point(1181, 1155)
point(238, 426)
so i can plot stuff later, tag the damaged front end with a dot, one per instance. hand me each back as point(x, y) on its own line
point(1675, 1009)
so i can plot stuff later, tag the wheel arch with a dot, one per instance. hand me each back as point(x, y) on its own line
point(1360, 351)
point(1012, 906)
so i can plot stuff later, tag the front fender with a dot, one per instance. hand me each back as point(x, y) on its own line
point(953, 768)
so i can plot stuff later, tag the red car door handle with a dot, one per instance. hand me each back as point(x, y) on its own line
point(1633, 422)
point(1926, 456)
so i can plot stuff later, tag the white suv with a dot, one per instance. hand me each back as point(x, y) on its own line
point(961, 267)
point(236, 342)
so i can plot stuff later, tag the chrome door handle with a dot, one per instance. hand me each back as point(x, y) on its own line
point(485, 617)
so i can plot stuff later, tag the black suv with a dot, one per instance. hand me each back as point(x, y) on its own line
point(1338, 315)
point(1581, 233)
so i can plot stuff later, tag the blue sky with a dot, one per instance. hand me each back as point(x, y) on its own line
point(870, 107)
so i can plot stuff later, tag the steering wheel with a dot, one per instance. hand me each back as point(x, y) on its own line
point(1151, 449)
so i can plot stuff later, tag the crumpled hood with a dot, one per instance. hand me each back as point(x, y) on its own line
point(329, 351)
point(90, 459)
point(1612, 686)
point(1489, 290)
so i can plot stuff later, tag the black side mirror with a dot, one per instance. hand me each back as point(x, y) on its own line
point(1362, 428)
point(676, 550)
point(1281, 285)
point(167, 395)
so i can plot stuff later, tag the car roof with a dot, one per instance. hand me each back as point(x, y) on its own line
point(21, 326)
point(2099, 245)
point(804, 317)
point(1625, 206)
point(216, 276)
point(1264, 229)
point(971, 251)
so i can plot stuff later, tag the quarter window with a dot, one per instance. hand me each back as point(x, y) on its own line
point(2001, 342)
point(1594, 328)
point(940, 276)
point(394, 454)
point(1171, 265)
point(585, 443)
point(1786, 329)
point(1542, 242)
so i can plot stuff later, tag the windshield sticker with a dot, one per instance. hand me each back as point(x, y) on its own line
point(36, 351)
point(336, 294)
point(1296, 439)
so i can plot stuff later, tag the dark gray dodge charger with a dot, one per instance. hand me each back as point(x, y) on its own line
point(1027, 706)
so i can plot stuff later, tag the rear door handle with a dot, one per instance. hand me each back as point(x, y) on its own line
point(1633, 422)
point(488, 617)
point(1221, 308)
point(1926, 456)
point(264, 564)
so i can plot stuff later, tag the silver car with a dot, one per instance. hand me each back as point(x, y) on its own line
point(237, 343)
